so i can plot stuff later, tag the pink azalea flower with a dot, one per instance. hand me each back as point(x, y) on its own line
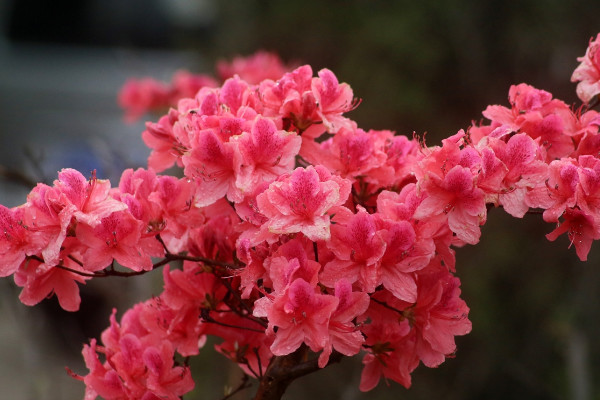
point(588, 72)
point(395, 364)
point(102, 379)
point(166, 148)
point(358, 247)
point(588, 190)
point(140, 360)
point(138, 97)
point(403, 255)
point(185, 293)
point(300, 201)
point(523, 172)
point(457, 196)
point(344, 336)
point(181, 326)
point(16, 240)
point(562, 186)
point(116, 237)
point(439, 314)
point(164, 204)
point(263, 154)
point(210, 164)
point(581, 229)
point(437, 161)
point(175, 199)
point(586, 133)
point(254, 68)
point(291, 262)
point(332, 99)
point(165, 380)
point(536, 114)
point(49, 217)
point(291, 98)
point(135, 188)
point(185, 84)
point(409, 245)
point(402, 155)
point(216, 237)
point(390, 348)
point(234, 94)
point(254, 257)
point(40, 281)
point(351, 153)
point(90, 199)
point(301, 315)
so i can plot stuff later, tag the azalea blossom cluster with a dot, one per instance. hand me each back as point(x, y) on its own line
point(148, 95)
point(296, 230)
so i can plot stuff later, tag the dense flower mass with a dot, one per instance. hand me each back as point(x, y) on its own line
point(295, 229)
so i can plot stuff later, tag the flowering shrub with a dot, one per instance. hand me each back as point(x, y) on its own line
point(295, 236)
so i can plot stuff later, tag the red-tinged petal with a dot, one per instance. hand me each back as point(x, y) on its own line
point(210, 164)
point(299, 202)
point(338, 269)
point(371, 373)
point(514, 202)
point(39, 281)
point(264, 153)
point(232, 93)
point(430, 357)
point(16, 240)
point(499, 114)
point(581, 230)
point(465, 226)
point(287, 341)
point(400, 284)
point(351, 304)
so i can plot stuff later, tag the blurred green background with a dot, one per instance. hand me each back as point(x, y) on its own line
point(418, 66)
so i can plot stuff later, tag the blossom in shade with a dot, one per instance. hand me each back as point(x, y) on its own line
point(390, 348)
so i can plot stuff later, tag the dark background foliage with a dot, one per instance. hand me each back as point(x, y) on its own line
point(418, 66)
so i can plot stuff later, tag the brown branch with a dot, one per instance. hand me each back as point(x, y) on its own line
point(284, 370)
point(111, 271)
point(386, 305)
point(248, 311)
point(208, 319)
point(86, 274)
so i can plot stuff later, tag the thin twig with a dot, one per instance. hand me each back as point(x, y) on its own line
point(243, 385)
point(386, 305)
point(208, 319)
